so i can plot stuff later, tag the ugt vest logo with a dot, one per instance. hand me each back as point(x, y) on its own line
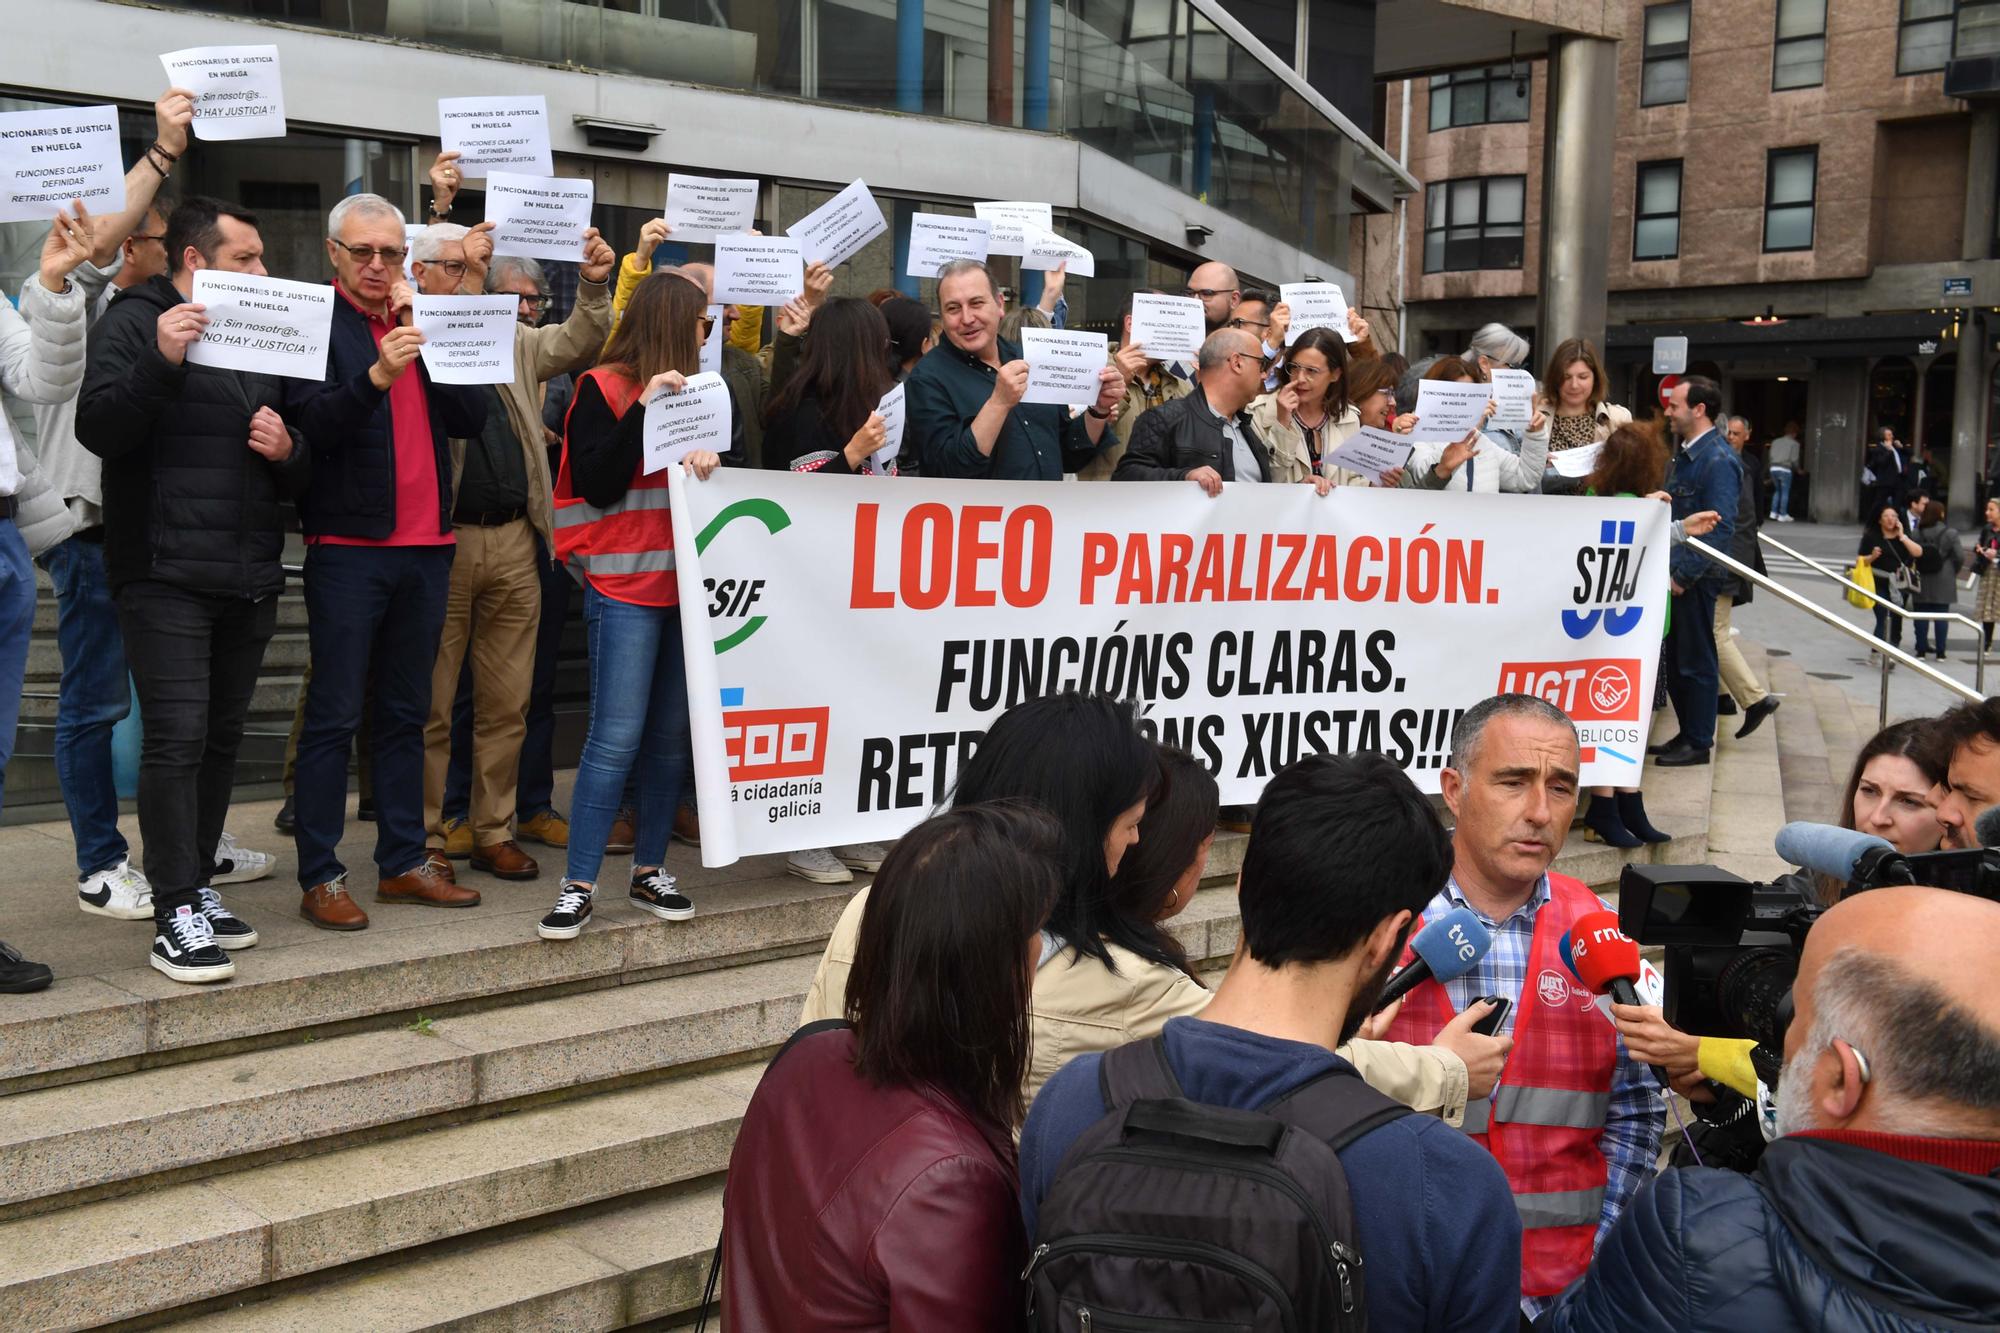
point(1607, 580)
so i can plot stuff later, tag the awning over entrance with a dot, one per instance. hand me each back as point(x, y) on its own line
point(1714, 340)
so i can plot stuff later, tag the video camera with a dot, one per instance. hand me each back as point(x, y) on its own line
point(1732, 945)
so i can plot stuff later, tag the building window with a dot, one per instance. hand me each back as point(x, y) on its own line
point(1978, 30)
point(1475, 223)
point(1656, 214)
point(1799, 58)
point(1790, 182)
point(1494, 95)
point(1663, 75)
point(1923, 38)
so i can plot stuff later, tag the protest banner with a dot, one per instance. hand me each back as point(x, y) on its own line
point(238, 93)
point(1063, 365)
point(894, 417)
point(48, 158)
point(1513, 397)
point(701, 208)
point(467, 339)
point(1012, 221)
point(677, 424)
point(834, 232)
point(269, 326)
point(936, 239)
point(1252, 629)
point(1315, 305)
point(497, 134)
point(1045, 250)
point(541, 217)
point(758, 270)
point(1169, 328)
point(1447, 410)
point(1371, 452)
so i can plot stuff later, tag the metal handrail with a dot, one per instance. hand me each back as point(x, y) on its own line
point(1814, 609)
point(1887, 603)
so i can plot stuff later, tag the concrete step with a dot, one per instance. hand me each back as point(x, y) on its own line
point(286, 654)
point(1844, 738)
point(291, 608)
point(119, 1259)
point(276, 695)
point(644, 1260)
point(1806, 769)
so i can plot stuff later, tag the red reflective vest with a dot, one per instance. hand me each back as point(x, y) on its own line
point(627, 549)
point(1546, 1113)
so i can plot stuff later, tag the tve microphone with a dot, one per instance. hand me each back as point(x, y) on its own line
point(1606, 960)
point(1446, 950)
point(1986, 828)
point(1826, 850)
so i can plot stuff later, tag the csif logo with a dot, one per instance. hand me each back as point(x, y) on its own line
point(731, 599)
point(1607, 583)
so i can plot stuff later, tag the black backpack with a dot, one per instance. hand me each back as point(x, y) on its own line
point(1168, 1214)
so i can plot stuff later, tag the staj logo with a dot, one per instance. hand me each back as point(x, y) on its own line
point(736, 599)
point(1607, 582)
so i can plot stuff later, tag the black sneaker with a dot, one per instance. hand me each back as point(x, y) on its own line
point(18, 976)
point(185, 949)
point(566, 920)
point(230, 930)
point(655, 893)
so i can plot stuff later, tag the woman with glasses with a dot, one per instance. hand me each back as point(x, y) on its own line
point(1309, 413)
point(1497, 347)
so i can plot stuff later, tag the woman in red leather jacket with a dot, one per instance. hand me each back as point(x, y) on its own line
point(873, 1184)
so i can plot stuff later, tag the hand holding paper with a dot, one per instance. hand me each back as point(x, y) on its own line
point(1063, 366)
point(1372, 453)
point(685, 418)
point(890, 413)
point(1513, 397)
point(1446, 411)
point(1170, 328)
point(701, 208)
point(836, 231)
point(467, 339)
point(238, 92)
point(1315, 305)
point(497, 134)
point(757, 270)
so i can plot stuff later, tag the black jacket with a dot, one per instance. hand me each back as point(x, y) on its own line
point(1175, 438)
point(1825, 1236)
point(187, 501)
point(353, 490)
point(1743, 543)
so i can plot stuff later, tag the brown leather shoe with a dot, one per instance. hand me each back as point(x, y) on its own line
point(624, 833)
point(687, 826)
point(425, 887)
point(505, 860)
point(439, 862)
point(329, 907)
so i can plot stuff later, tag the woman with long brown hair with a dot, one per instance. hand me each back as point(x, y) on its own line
point(1309, 413)
point(614, 530)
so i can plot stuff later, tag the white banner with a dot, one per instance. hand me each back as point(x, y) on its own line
point(48, 158)
point(238, 91)
point(467, 339)
point(701, 208)
point(1252, 629)
point(497, 134)
point(542, 217)
point(268, 326)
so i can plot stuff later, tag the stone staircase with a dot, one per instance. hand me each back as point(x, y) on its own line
point(463, 1127)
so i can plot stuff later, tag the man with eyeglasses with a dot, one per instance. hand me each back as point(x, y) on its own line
point(378, 523)
point(503, 518)
point(1215, 285)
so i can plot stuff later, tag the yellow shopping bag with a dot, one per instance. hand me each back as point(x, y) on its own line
point(1864, 574)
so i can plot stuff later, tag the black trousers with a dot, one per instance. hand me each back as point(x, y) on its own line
point(194, 659)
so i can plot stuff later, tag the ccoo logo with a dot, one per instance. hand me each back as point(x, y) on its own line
point(1607, 582)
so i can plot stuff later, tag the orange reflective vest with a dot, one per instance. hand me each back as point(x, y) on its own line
point(626, 550)
point(1545, 1116)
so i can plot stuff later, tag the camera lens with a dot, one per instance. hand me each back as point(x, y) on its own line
point(1753, 990)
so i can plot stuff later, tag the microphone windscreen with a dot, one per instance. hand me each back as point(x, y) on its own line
point(1824, 849)
point(1986, 828)
point(1452, 944)
point(1569, 958)
point(1600, 952)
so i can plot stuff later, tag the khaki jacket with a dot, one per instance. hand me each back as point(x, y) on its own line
point(541, 355)
point(1290, 460)
point(1080, 1006)
point(1156, 387)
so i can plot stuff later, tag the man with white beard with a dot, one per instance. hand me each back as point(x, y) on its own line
point(1878, 1206)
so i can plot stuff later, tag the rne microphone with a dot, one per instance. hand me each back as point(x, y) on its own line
point(1446, 949)
point(1826, 850)
point(1606, 960)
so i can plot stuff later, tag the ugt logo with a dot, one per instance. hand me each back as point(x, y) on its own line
point(1607, 578)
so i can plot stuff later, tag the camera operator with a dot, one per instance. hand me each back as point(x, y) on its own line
point(1971, 734)
point(1878, 1207)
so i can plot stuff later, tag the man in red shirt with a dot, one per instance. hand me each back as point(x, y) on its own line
point(377, 519)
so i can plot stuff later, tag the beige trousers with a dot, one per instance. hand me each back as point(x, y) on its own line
point(491, 611)
point(1737, 677)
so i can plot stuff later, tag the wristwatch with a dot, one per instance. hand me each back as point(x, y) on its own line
point(1101, 416)
point(437, 212)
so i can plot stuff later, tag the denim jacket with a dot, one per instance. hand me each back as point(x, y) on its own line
point(1703, 475)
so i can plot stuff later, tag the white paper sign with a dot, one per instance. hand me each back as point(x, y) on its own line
point(1011, 223)
point(834, 232)
point(1670, 356)
point(1371, 452)
point(269, 326)
point(1063, 365)
point(700, 208)
point(467, 339)
point(677, 424)
point(937, 239)
point(1315, 305)
point(757, 270)
point(711, 348)
point(1578, 462)
point(891, 409)
point(542, 217)
point(1446, 411)
point(497, 134)
point(1169, 328)
point(1513, 397)
point(237, 91)
point(48, 158)
point(1045, 250)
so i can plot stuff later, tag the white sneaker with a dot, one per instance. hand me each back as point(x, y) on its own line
point(239, 865)
point(863, 856)
point(120, 892)
point(818, 865)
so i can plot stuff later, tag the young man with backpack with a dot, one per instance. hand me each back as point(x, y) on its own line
point(1178, 1177)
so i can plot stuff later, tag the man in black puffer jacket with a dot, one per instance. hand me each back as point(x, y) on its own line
point(1878, 1207)
point(198, 464)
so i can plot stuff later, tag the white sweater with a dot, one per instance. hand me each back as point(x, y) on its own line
point(1492, 468)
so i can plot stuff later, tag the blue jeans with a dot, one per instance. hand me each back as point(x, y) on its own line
point(95, 696)
point(363, 602)
point(17, 622)
point(1781, 491)
point(638, 720)
point(1926, 627)
point(535, 792)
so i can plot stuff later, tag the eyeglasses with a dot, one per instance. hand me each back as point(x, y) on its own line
point(159, 236)
point(707, 326)
point(366, 255)
point(454, 268)
point(1204, 293)
point(1241, 323)
point(1308, 372)
point(534, 302)
point(1264, 363)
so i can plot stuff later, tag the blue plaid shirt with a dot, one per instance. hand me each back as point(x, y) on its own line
point(1638, 1114)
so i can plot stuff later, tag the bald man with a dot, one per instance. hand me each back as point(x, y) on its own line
point(1878, 1207)
point(1216, 286)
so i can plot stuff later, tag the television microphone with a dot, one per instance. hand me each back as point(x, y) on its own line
point(1446, 949)
point(1826, 850)
point(1606, 960)
point(1986, 828)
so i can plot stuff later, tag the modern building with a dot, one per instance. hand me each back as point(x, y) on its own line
point(1805, 191)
